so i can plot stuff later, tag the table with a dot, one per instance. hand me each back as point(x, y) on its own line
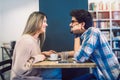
point(55, 64)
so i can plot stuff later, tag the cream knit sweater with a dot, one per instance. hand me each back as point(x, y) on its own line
point(26, 48)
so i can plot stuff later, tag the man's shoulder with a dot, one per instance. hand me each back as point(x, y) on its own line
point(94, 29)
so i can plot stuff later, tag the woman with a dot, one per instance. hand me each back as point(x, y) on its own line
point(27, 50)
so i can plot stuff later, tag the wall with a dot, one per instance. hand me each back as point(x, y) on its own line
point(59, 37)
point(0, 20)
point(13, 17)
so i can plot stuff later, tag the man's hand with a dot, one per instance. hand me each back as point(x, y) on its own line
point(78, 29)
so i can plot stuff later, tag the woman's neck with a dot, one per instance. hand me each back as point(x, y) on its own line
point(36, 36)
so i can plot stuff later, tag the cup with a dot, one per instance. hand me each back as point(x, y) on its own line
point(64, 56)
point(54, 56)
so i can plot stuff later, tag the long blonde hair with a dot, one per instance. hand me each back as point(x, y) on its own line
point(34, 24)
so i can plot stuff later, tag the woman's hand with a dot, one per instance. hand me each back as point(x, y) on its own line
point(47, 53)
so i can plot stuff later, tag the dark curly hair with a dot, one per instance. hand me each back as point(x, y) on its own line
point(83, 16)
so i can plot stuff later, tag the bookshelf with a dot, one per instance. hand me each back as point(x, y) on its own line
point(106, 16)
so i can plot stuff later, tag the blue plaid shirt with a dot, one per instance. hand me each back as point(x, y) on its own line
point(96, 48)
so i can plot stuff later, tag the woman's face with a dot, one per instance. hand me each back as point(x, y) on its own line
point(44, 25)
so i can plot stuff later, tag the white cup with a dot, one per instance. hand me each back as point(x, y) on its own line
point(54, 56)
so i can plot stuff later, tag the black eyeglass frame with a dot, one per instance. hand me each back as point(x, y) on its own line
point(73, 21)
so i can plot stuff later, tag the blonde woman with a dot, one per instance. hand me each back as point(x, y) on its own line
point(27, 49)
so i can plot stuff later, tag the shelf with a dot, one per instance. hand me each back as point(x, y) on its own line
point(116, 29)
point(116, 20)
point(116, 49)
point(116, 39)
point(105, 29)
point(106, 16)
point(108, 29)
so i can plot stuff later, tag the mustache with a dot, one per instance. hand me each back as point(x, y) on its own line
point(71, 32)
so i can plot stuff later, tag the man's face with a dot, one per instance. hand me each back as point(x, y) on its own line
point(76, 27)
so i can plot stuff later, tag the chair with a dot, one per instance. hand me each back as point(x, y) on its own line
point(4, 67)
point(12, 47)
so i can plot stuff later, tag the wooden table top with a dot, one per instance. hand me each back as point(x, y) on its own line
point(56, 64)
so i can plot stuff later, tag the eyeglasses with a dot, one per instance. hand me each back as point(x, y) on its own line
point(73, 21)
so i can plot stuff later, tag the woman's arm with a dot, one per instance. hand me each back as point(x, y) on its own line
point(47, 53)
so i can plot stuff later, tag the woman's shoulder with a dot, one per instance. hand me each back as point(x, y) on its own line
point(25, 39)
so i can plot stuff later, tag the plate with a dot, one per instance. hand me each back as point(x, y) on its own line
point(53, 59)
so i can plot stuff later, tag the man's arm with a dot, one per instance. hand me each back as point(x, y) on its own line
point(76, 46)
point(76, 43)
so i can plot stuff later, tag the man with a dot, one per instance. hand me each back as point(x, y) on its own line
point(94, 47)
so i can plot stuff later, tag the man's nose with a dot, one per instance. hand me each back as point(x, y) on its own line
point(70, 24)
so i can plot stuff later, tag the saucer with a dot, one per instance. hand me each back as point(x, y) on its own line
point(53, 59)
point(73, 59)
